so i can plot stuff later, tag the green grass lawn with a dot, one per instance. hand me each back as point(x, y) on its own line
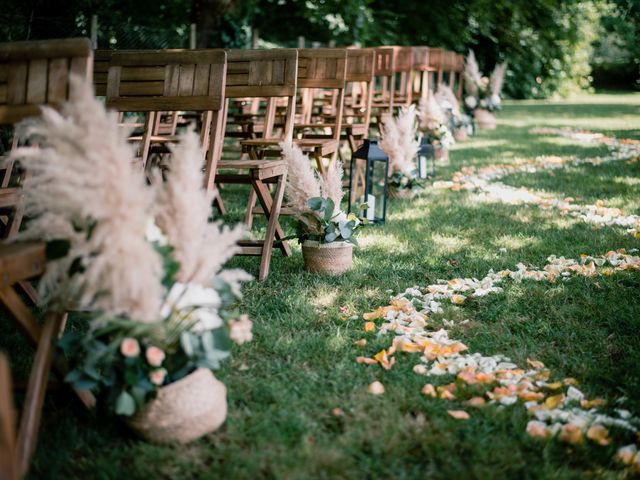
point(283, 386)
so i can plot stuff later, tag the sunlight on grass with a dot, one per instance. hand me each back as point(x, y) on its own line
point(449, 244)
point(480, 144)
point(324, 298)
point(383, 240)
point(512, 242)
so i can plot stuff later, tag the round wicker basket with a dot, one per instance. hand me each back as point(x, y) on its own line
point(441, 155)
point(485, 119)
point(461, 134)
point(332, 258)
point(183, 411)
point(404, 193)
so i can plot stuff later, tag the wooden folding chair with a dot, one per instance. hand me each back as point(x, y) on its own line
point(436, 66)
point(33, 74)
point(19, 263)
point(8, 457)
point(321, 69)
point(456, 73)
point(403, 66)
point(359, 96)
point(421, 73)
point(384, 85)
point(154, 81)
point(270, 75)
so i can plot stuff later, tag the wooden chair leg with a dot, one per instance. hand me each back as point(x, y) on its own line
point(272, 210)
point(25, 321)
point(319, 161)
point(32, 410)
point(8, 462)
point(251, 204)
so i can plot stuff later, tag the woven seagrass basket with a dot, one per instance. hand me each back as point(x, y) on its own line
point(461, 134)
point(331, 258)
point(404, 193)
point(485, 119)
point(183, 411)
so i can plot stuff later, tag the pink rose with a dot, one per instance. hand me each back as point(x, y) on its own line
point(240, 330)
point(157, 376)
point(155, 356)
point(130, 347)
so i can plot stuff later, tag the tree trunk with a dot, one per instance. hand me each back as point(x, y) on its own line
point(207, 15)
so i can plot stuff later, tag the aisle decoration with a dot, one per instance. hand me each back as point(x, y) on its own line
point(483, 94)
point(485, 182)
point(142, 262)
point(399, 141)
point(435, 126)
point(558, 409)
point(326, 232)
point(460, 123)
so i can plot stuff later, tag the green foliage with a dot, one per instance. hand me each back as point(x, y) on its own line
point(323, 225)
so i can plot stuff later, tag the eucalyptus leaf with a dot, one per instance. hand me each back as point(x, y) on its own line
point(125, 404)
point(315, 203)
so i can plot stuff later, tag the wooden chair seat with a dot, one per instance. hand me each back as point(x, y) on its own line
point(9, 197)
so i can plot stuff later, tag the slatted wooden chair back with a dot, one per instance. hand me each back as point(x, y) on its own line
point(33, 74)
point(156, 81)
point(421, 72)
point(385, 82)
point(101, 60)
point(359, 77)
point(403, 67)
point(38, 73)
point(265, 74)
point(436, 58)
point(322, 71)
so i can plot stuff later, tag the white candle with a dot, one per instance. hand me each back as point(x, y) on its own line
point(423, 166)
point(371, 205)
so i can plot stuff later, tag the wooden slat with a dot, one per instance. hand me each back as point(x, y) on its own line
point(171, 80)
point(260, 73)
point(20, 261)
point(81, 67)
point(153, 104)
point(58, 75)
point(142, 74)
point(141, 88)
point(8, 460)
point(260, 91)
point(237, 67)
point(185, 84)
point(235, 79)
point(201, 80)
point(37, 81)
point(17, 83)
point(70, 47)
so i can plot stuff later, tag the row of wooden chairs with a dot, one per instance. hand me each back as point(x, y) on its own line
point(317, 98)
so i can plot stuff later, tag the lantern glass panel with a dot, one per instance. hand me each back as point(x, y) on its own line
point(358, 186)
point(378, 177)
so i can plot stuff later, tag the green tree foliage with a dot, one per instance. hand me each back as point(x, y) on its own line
point(547, 43)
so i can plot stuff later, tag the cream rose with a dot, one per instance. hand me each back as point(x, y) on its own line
point(157, 376)
point(130, 347)
point(155, 356)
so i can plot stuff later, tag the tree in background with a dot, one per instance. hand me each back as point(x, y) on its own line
point(548, 44)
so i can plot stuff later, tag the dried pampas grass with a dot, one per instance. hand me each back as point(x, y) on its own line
point(304, 182)
point(447, 99)
point(82, 187)
point(399, 141)
point(182, 210)
point(497, 79)
point(431, 114)
point(472, 75)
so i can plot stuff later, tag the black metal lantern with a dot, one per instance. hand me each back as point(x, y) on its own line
point(426, 159)
point(368, 181)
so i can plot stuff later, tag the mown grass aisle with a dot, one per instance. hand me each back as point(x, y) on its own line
point(298, 401)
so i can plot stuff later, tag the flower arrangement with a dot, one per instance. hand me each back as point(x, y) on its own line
point(434, 123)
point(400, 143)
point(458, 120)
point(315, 200)
point(143, 261)
point(482, 92)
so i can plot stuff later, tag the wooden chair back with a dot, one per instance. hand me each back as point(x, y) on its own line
point(420, 72)
point(33, 74)
point(101, 60)
point(268, 74)
point(385, 80)
point(8, 454)
point(38, 73)
point(322, 69)
point(156, 80)
point(436, 58)
point(360, 71)
point(403, 67)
